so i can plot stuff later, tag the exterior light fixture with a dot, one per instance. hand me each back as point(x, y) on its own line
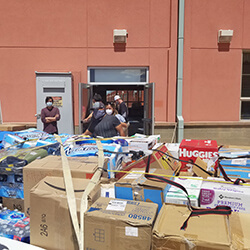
point(120, 36)
point(225, 36)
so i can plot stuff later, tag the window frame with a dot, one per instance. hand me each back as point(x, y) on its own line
point(243, 99)
point(119, 83)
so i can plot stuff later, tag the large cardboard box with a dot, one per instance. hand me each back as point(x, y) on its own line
point(135, 186)
point(50, 222)
point(12, 204)
point(12, 127)
point(207, 150)
point(236, 168)
point(202, 233)
point(81, 167)
point(218, 193)
point(158, 160)
point(114, 224)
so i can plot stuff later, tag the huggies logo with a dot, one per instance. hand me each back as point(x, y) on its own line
point(202, 154)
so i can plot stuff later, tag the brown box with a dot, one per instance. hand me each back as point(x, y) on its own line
point(115, 224)
point(12, 127)
point(81, 167)
point(135, 186)
point(158, 160)
point(202, 233)
point(12, 203)
point(50, 222)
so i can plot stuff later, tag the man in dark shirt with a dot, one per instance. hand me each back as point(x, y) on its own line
point(122, 107)
point(49, 116)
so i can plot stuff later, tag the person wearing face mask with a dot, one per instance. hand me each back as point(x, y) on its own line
point(111, 110)
point(96, 98)
point(97, 115)
point(49, 116)
point(121, 107)
point(109, 126)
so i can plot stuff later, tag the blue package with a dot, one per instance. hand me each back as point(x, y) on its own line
point(93, 141)
point(12, 140)
point(240, 162)
point(10, 190)
point(31, 133)
point(2, 133)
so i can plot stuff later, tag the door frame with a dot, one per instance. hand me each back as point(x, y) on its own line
point(147, 86)
point(68, 87)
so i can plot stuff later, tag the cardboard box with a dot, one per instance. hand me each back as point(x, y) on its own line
point(177, 196)
point(81, 167)
point(207, 150)
point(112, 224)
point(13, 204)
point(11, 127)
point(134, 186)
point(237, 172)
point(166, 162)
point(235, 196)
point(158, 160)
point(202, 233)
point(108, 190)
point(143, 143)
point(50, 222)
point(237, 168)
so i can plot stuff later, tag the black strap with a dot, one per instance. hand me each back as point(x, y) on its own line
point(162, 179)
point(221, 210)
point(226, 178)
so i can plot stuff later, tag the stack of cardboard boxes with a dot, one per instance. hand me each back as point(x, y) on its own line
point(143, 214)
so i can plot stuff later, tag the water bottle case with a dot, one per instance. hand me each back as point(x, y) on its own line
point(14, 225)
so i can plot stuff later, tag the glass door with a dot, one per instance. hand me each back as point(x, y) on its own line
point(148, 120)
point(85, 104)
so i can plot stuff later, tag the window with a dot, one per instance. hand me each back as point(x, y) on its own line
point(116, 75)
point(245, 87)
point(121, 78)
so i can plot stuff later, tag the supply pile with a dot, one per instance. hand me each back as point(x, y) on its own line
point(75, 192)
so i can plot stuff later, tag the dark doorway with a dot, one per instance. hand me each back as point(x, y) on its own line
point(138, 98)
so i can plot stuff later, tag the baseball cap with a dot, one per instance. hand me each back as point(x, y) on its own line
point(117, 97)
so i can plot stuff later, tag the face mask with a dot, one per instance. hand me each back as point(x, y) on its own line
point(109, 111)
point(49, 104)
point(96, 105)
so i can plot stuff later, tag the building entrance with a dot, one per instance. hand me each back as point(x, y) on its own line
point(138, 98)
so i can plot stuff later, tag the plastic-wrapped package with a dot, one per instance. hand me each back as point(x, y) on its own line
point(14, 225)
point(85, 150)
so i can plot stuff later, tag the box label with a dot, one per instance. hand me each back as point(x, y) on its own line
point(134, 175)
point(242, 162)
point(131, 231)
point(117, 205)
